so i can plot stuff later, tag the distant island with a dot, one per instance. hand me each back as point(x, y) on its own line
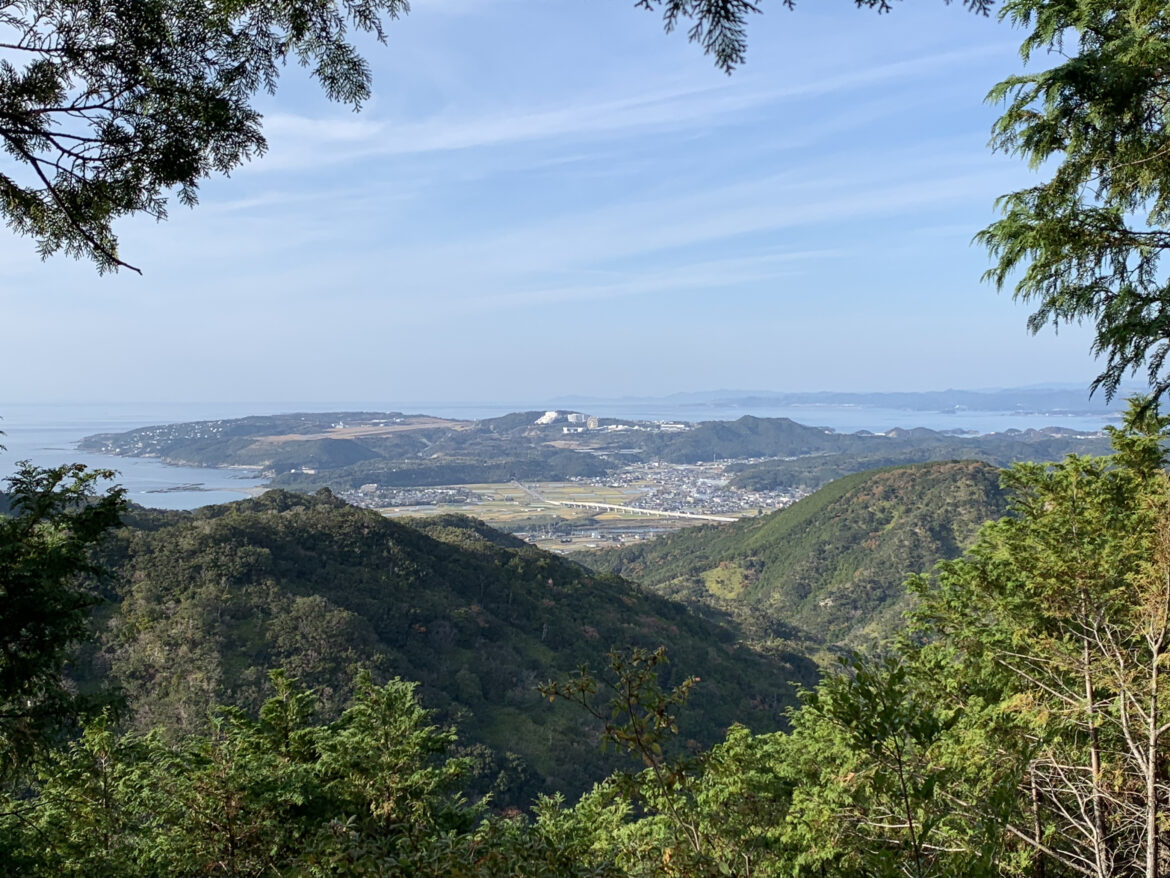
point(1056, 401)
point(562, 478)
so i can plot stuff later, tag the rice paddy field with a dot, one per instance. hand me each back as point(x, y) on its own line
point(536, 511)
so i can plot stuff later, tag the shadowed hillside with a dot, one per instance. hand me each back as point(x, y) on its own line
point(208, 601)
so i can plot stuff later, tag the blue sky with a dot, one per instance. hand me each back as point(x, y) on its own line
point(554, 198)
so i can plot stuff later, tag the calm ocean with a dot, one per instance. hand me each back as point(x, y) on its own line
point(47, 434)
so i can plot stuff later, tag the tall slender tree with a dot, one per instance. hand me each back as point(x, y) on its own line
point(1088, 242)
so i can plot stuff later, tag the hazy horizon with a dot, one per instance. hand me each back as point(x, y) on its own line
point(565, 398)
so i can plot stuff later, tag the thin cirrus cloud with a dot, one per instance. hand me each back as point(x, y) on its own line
point(632, 230)
point(845, 184)
point(300, 141)
point(600, 285)
point(629, 248)
point(706, 275)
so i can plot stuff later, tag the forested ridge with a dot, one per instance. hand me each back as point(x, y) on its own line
point(832, 564)
point(203, 604)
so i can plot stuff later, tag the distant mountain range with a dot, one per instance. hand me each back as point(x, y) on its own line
point(1056, 399)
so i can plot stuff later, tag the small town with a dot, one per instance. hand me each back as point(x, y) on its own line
point(698, 489)
point(373, 496)
point(637, 502)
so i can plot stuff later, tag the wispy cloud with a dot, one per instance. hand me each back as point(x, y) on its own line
point(638, 229)
point(300, 141)
point(711, 275)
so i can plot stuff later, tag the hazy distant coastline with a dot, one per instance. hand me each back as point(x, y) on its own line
point(1056, 401)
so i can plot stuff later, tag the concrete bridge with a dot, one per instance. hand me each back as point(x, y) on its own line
point(655, 513)
point(613, 507)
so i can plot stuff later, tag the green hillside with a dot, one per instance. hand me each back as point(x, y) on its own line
point(832, 564)
point(207, 601)
point(751, 437)
point(901, 447)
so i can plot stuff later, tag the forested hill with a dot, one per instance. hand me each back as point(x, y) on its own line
point(843, 454)
point(835, 562)
point(206, 602)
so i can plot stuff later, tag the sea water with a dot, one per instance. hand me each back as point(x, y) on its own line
point(47, 436)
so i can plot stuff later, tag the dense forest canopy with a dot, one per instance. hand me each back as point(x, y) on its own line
point(203, 604)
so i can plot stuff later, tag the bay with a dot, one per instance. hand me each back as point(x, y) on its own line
point(47, 435)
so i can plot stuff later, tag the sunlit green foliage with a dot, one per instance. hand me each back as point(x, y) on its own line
point(1057, 621)
point(373, 793)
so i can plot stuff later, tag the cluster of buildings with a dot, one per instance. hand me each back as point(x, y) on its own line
point(153, 441)
point(575, 422)
point(694, 488)
point(573, 418)
point(374, 496)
